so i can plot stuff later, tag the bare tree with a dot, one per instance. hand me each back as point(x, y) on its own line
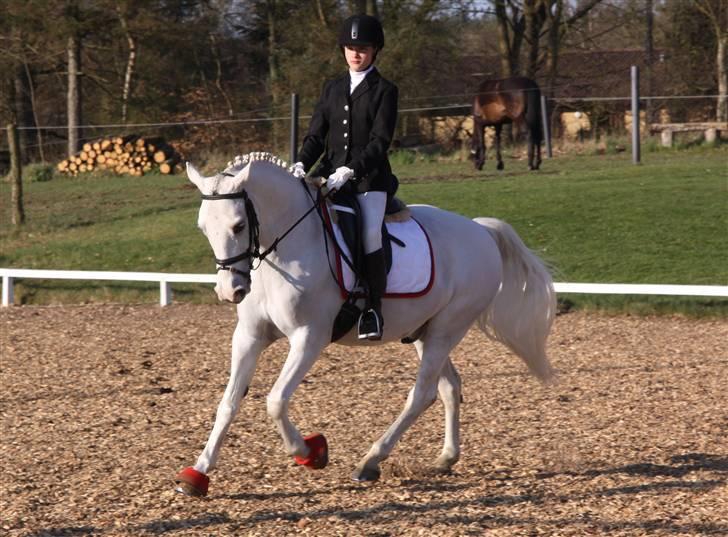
point(511, 26)
point(649, 57)
point(130, 62)
point(16, 176)
point(716, 12)
point(74, 92)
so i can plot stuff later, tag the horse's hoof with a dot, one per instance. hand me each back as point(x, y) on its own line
point(366, 474)
point(191, 482)
point(500, 166)
point(444, 464)
point(318, 452)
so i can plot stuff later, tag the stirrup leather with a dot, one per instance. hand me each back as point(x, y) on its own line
point(370, 325)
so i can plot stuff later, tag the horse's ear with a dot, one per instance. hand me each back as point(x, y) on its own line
point(241, 176)
point(194, 175)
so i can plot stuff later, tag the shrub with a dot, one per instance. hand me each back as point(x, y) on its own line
point(38, 173)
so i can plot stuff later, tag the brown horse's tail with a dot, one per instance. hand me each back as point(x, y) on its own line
point(533, 113)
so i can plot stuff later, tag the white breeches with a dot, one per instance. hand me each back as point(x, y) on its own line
point(373, 205)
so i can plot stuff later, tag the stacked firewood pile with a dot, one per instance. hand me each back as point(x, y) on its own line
point(125, 155)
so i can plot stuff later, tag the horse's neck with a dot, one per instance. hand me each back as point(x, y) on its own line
point(280, 200)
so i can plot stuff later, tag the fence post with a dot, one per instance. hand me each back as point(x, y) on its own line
point(16, 175)
point(165, 293)
point(294, 128)
point(635, 115)
point(8, 299)
point(546, 126)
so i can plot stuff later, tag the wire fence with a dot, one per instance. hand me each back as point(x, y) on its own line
point(436, 120)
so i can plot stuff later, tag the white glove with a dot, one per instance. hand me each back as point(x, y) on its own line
point(337, 179)
point(297, 170)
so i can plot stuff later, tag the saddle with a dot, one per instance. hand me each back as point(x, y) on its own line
point(344, 210)
point(348, 218)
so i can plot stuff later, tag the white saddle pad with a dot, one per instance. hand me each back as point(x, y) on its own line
point(413, 266)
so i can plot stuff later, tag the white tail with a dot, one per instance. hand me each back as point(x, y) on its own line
point(523, 311)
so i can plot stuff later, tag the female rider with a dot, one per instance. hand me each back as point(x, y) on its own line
point(353, 125)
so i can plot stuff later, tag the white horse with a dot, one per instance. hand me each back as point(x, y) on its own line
point(484, 274)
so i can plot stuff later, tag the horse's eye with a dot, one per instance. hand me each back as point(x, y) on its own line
point(237, 228)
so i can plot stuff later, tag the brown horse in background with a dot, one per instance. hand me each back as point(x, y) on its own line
point(510, 100)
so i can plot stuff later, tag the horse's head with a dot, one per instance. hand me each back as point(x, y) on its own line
point(228, 221)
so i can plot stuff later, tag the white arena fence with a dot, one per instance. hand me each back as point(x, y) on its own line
point(167, 279)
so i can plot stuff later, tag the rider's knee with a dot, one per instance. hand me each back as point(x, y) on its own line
point(372, 236)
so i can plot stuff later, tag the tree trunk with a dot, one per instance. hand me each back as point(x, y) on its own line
point(218, 78)
point(130, 62)
point(554, 15)
point(649, 59)
point(16, 176)
point(534, 12)
point(23, 111)
point(34, 109)
point(716, 12)
point(273, 69)
point(371, 8)
point(74, 93)
point(321, 14)
point(722, 69)
point(504, 39)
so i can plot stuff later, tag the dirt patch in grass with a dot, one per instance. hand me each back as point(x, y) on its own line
point(102, 405)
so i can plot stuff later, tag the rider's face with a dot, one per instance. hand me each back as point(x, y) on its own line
point(359, 58)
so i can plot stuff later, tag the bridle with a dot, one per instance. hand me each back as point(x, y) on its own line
point(253, 251)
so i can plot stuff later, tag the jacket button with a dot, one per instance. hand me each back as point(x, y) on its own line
point(346, 107)
point(346, 134)
point(346, 147)
point(345, 121)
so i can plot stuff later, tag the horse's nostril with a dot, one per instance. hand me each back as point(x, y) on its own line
point(238, 296)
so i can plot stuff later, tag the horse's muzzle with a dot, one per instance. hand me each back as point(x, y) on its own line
point(232, 287)
point(235, 296)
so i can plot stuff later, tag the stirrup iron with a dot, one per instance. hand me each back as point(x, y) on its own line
point(370, 325)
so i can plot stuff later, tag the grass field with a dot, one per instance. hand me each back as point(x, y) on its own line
point(595, 218)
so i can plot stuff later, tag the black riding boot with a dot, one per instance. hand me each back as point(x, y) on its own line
point(371, 323)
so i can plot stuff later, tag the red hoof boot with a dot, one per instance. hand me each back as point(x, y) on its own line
point(191, 482)
point(318, 452)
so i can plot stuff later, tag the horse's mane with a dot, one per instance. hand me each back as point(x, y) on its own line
point(241, 161)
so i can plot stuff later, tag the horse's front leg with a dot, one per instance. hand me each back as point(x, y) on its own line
point(245, 351)
point(311, 451)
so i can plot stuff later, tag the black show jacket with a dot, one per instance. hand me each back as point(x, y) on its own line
point(355, 131)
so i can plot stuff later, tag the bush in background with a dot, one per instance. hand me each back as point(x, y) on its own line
point(38, 173)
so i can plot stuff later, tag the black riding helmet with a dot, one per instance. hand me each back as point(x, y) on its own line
point(361, 30)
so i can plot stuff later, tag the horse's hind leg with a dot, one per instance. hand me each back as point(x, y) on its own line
point(478, 144)
point(450, 389)
point(499, 158)
point(534, 149)
point(530, 152)
point(434, 355)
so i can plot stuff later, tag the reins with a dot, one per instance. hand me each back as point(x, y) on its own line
point(253, 251)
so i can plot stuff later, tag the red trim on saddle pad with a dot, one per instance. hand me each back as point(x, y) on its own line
point(340, 272)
